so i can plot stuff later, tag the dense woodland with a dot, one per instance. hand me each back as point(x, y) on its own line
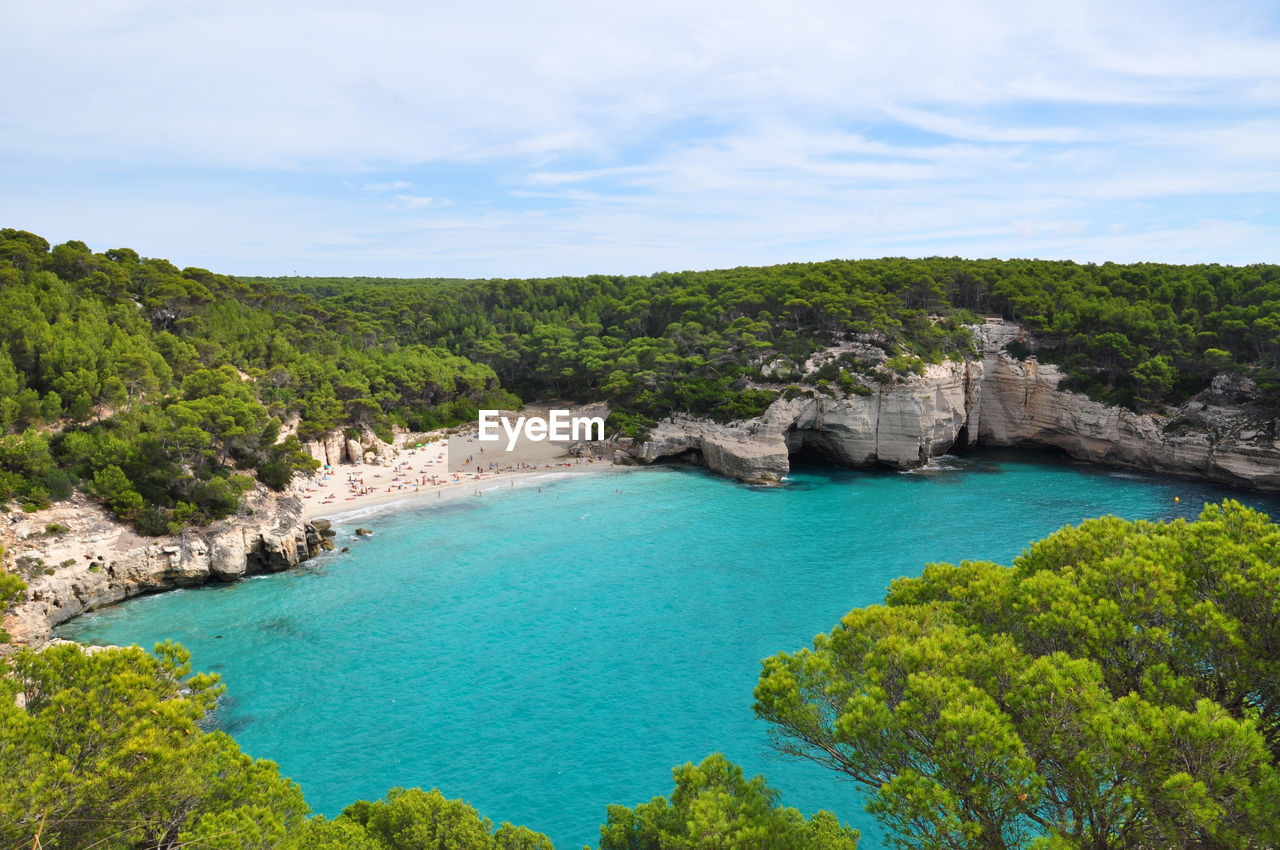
point(1139, 335)
point(163, 392)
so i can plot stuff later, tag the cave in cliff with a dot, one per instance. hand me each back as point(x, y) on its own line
point(808, 446)
point(689, 456)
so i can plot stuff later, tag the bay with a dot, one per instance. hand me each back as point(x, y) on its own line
point(549, 649)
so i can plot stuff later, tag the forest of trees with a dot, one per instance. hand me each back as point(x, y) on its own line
point(1139, 335)
point(163, 392)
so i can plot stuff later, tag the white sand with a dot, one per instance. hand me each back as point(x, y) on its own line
point(419, 476)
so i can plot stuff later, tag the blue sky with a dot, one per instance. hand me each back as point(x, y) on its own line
point(537, 139)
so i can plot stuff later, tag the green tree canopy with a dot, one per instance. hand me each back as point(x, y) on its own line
point(187, 367)
point(1115, 687)
point(103, 749)
point(714, 807)
point(413, 819)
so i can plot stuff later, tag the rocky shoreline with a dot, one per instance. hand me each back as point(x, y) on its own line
point(995, 401)
point(76, 557)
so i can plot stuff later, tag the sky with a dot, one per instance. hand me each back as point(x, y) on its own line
point(504, 139)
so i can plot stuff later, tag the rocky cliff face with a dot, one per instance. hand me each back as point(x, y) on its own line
point(753, 452)
point(996, 401)
point(335, 448)
point(1219, 435)
point(899, 426)
point(96, 561)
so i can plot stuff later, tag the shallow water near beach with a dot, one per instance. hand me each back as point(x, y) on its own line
point(545, 654)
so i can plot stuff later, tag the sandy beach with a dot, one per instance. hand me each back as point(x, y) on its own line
point(419, 475)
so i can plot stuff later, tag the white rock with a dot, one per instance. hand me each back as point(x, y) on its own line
point(99, 561)
point(997, 401)
point(355, 452)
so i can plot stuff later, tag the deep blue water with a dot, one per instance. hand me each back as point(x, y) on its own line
point(544, 654)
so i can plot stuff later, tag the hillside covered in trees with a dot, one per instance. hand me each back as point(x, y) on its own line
point(1138, 335)
point(164, 392)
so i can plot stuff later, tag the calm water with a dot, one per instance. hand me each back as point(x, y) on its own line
point(544, 654)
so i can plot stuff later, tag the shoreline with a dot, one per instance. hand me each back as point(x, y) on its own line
point(419, 475)
point(345, 513)
point(351, 513)
point(95, 562)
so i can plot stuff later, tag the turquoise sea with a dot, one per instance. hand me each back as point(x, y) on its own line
point(543, 654)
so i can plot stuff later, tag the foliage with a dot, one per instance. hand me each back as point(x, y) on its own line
point(155, 388)
point(714, 808)
point(654, 344)
point(409, 819)
point(103, 749)
point(1117, 686)
point(26, 468)
point(12, 590)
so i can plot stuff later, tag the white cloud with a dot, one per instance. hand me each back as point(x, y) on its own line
point(386, 187)
point(636, 137)
point(417, 202)
point(960, 128)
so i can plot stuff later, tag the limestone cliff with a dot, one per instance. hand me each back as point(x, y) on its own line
point(753, 452)
point(76, 557)
point(995, 400)
point(336, 447)
point(899, 426)
point(1220, 435)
